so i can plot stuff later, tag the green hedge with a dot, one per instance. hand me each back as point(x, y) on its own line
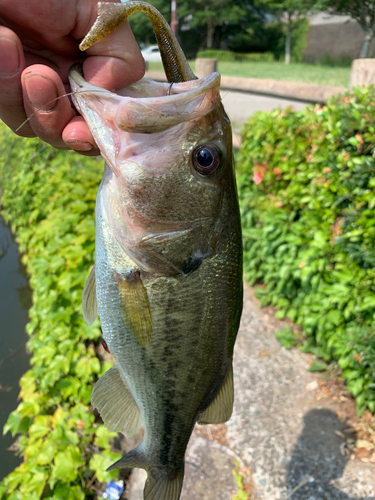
point(48, 199)
point(226, 55)
point(309, 227)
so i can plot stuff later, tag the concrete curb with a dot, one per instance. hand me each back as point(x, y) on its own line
point(297, 91)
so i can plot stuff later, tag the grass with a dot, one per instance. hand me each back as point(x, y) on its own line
point(295, 72)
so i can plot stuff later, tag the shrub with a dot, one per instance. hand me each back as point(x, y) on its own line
point(48, 200)
point(309, 227)
point(226, 55)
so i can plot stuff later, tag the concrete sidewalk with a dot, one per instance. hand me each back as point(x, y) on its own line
point(240, 106)
point(287, 433)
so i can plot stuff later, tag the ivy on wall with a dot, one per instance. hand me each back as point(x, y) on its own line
point(48, 199)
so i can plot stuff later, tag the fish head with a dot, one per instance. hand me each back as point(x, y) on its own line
point(169, 165)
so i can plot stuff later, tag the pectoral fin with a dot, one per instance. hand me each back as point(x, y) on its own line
point(135, 306)
point(220, 410)
point(115, 403)
point(89, 303)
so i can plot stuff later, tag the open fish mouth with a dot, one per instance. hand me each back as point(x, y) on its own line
point(143, 117)
point(148, 106)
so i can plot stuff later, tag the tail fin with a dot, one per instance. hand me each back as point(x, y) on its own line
point(160, 486)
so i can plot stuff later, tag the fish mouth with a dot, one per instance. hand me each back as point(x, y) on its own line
point(147, 88)
point(148, 106)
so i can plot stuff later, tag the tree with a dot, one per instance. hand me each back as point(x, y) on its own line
point(211, 14)
point(363, 11)
point(289, 11)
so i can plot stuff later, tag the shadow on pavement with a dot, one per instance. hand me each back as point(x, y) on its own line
point(319, 455)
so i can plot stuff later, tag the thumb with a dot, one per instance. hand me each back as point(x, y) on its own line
point(115, 61)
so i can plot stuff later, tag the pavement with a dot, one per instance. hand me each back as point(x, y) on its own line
point(289, 437)
point(240, 106)
point(308, 92)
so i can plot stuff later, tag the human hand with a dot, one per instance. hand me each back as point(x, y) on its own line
point(38, 44)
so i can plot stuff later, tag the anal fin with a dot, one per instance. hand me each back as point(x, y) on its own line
point(115, 403)
point(221, 408)
point(89, 302)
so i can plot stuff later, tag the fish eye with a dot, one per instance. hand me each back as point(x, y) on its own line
point(206, 159)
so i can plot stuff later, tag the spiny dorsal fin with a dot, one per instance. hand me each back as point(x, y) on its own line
point(220, 410)
point(135, 306)
point(89, 302)
point(115, 403)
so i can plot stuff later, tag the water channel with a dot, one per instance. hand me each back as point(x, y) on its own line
point(15, 301)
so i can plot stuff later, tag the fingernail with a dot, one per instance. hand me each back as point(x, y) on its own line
point(9, 58)
point(80, 146)
point(41, 91)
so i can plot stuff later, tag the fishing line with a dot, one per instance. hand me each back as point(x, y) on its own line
point(67, 95)
point(56, 99)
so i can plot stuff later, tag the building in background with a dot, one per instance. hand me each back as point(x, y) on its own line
point(337, 37)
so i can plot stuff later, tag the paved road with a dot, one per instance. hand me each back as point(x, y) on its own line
point(240, 106)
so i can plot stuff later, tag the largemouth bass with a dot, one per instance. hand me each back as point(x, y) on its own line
point(167, 282)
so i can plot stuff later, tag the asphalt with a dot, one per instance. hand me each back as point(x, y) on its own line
point(240, 106)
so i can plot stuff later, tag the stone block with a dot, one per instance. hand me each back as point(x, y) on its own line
point(363, 73)
point(204, 67)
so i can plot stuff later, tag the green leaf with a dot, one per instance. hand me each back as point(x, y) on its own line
point(35, 485)
point(65, 491)
point(66, 464)
point(40, 427)
point(320, 239)
point(335, 317)
point(318, 366)
point(287, 337)
point(13, 423)
point(47, 453)
point(99, 464)
point(103, 436)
